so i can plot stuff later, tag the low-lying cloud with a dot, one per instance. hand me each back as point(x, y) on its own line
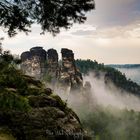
point(101, 94)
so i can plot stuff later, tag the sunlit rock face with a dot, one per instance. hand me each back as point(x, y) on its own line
point(32, 66)
point(33, 62)
point(45, 65)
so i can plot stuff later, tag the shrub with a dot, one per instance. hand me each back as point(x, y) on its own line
point(10, 100)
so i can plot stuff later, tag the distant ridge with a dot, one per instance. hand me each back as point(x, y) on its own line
point(124, 65)
point(111, 74)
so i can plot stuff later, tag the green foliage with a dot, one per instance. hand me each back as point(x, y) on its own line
point(14, 86)
point(112, 74)
point(19, 15)
point(88, 65)
point(12, 78)
point(7, 60)
point(113, 124)
point(10, 100)
point(35, 91)
point(5, 136)
point(121, 81)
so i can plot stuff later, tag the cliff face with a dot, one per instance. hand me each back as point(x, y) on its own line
point(32, 112)
point(33, 62)
point(29, 110)
point(52, 63)
point(69, 74)
point(39, 63)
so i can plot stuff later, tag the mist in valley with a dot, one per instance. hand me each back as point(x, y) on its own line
point(131, 73)
point(101, 93)
point(106, 112)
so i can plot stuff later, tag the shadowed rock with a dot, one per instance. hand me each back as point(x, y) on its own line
point(33, 62)
point(52, 63)
point(36, 114)
point(44, 65)
point(69, 74)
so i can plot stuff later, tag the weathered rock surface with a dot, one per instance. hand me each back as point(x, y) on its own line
point(69, 74)
point(43, 122)
point(52, 62)
point(40, 63)
point(52, 69)
point(47, 116)
point(33, 62)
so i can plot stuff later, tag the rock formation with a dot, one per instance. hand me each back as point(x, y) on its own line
point(33, 62)
point(69, 74)
point(29, 111)
point(52, 65)
point(39, 63)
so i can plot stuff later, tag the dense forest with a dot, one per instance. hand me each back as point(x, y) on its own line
point(112, 124)
point(112, 74)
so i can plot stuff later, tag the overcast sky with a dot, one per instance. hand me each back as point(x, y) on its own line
point(111, 35)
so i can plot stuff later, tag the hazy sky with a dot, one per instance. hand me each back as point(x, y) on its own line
point(111, 34)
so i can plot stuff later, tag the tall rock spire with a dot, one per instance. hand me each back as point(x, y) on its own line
point(41, 64)
point(69, 73)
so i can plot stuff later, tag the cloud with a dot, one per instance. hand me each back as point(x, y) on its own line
point(109, 45)
point(129, 31)
point(110, 35)
point(114, 12)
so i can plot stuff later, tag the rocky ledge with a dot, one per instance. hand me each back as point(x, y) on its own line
point(29, 111)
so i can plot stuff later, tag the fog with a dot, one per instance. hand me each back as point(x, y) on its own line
point(132, 73)
point(109, 94)
point(101, 107)
point(100, 94)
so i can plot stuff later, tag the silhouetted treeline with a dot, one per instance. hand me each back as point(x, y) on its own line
point(112, 74)
point(128, 66)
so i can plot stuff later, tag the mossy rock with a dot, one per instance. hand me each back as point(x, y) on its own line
point(60, 102)
point(41, 122)
point(30, 111)
point(32, 81)
point(5, 134)
point(10, 100)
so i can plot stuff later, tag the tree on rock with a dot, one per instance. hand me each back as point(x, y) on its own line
point(52, 15)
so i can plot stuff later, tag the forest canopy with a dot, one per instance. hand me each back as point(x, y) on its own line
point(52, 15)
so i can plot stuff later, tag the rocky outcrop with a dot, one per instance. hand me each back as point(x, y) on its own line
point(42, 122)
point(40, 64)
point(29, 111)
point(5, 135)
point(69, 74)
point(33, 62)
point(52, 63)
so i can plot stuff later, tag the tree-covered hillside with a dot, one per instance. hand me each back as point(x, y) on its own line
point(112, 124)
point(112, 74)
point(29, 110)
